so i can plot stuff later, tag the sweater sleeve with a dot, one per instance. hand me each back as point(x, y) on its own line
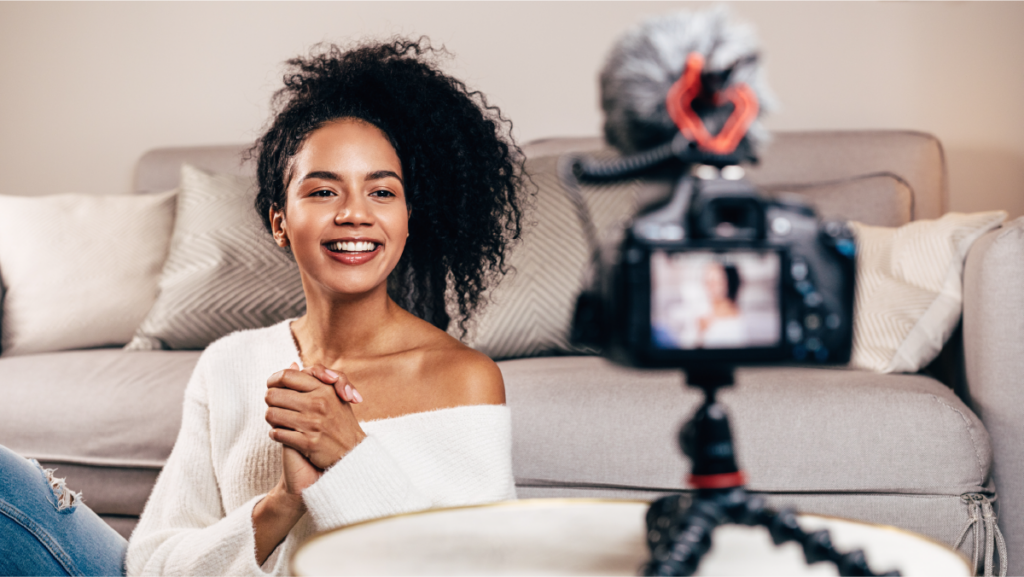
point(459, 456)
point(184, 529)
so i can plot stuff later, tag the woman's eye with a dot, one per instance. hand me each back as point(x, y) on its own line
point(322, 192)
point(382, 193)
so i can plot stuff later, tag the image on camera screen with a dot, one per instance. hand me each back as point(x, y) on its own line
point(715, 300)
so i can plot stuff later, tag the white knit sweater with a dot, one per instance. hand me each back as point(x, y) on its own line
point(198, 520)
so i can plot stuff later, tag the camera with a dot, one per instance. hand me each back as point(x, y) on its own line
point(717, 273)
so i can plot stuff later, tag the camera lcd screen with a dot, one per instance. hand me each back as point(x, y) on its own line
point(715, 300)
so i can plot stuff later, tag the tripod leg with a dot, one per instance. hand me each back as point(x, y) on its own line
point(679, 535)
point(783, 526)
point(678, 538)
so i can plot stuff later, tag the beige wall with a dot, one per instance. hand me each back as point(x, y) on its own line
point(86, 88)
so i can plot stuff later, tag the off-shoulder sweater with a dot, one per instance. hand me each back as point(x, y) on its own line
point(198, 520)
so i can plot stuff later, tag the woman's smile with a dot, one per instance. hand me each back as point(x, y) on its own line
point(353, 251)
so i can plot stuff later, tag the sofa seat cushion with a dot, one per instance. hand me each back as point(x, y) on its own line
point(106, 419)
point(584, 422)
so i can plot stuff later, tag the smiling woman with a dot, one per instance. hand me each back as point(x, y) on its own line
point(396, 191)
point(345, 206)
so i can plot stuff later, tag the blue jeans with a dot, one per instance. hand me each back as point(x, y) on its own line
point(46, 530)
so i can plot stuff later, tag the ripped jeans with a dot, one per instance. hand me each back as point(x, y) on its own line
point(45, 529)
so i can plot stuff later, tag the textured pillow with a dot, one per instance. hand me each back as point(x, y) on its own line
point(531, 310)
point(223, 273)
point(909, 288)
point(79, 270)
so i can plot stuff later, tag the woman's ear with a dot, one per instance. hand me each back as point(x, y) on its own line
point(279, 226)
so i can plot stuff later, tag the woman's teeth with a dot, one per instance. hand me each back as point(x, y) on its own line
point(351, 246)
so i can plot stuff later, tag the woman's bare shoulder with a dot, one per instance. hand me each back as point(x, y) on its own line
point(462, 375)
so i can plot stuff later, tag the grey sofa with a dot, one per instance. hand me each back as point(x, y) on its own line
point(905, 450)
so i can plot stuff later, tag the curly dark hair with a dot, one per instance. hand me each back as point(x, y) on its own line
point(462, 170)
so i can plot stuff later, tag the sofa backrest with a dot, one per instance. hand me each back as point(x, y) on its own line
point(793, 159)
point(881, 177)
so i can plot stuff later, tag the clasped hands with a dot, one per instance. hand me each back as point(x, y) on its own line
point(311, 414)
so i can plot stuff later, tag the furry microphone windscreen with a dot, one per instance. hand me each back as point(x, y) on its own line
point(648, 59)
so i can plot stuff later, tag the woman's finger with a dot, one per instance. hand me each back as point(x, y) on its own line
point(325, 375)
point(346, 391)
point(284, 398)
point(292, 439)
point(294, 380)
point(284, 419)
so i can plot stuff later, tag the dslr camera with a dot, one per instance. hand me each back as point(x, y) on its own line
point(714, 274)
point(717, 273)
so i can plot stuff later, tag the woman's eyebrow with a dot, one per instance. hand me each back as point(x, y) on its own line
point(322, 175)
point(375, 175)
point(380, 174)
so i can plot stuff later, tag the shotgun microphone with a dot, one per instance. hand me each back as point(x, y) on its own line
point(684, 86)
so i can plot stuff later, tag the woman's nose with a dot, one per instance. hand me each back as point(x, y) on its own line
point(355, 210)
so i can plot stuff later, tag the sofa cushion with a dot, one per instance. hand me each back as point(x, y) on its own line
point(105, 418)
point(79, 270)
point(584, 422)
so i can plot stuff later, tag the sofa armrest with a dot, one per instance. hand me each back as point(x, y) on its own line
point(993, 337)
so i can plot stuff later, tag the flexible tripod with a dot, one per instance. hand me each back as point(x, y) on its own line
point(679, 533)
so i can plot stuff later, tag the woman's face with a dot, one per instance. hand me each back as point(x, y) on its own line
point(345, 217)
point(715, 282)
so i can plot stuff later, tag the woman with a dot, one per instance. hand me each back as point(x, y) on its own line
point(722, 326)
point(393, 186)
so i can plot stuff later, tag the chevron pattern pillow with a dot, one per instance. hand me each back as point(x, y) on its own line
point(530, 311)
point(223, 273)
point(909, 288)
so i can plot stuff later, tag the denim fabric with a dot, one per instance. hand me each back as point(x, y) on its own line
point(40, 536)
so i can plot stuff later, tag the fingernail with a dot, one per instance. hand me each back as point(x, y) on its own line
point(294, 366)
point(358, 397)
point(332, 374)
point(348, 392)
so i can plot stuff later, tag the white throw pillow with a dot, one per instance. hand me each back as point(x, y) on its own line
point(224, 273)
point(79, 270)
point(909, 288)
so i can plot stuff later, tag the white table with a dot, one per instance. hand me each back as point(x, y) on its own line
point(589, 537)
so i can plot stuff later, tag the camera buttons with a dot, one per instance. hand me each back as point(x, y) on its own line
point(781, 226)
point(832, 321)
point(794, 332)
point(813, 299)
point(812, 322)
point(798, 270)
point(799, 352)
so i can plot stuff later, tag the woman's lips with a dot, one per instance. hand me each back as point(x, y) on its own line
point(353, 258)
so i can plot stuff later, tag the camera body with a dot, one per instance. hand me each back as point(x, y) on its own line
point(720, 274)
